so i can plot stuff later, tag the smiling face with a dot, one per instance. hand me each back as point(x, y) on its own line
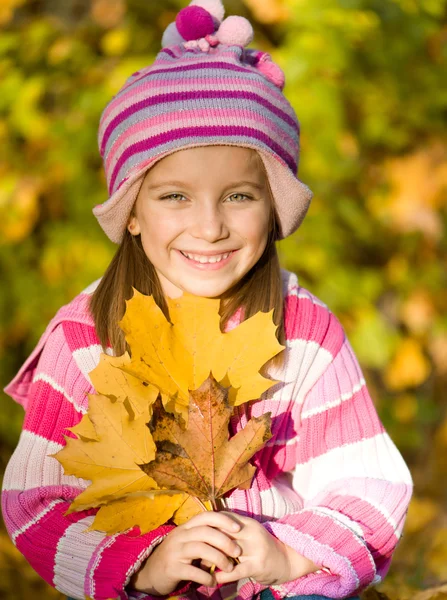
point(206, 202)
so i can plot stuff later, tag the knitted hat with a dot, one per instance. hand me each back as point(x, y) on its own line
point(204, 88)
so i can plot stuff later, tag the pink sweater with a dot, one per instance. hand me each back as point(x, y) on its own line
point(330, 483)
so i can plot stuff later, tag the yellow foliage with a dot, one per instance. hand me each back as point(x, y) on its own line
point(7, 8)
point(437, 557)
point(348, 144)
point(438, 351)
point(115, 42)
point(421, 512)
point(26, 115)
point(441, 434)
point(405, 408)
point(409, 366)
point(269, 11)
point(397, 269)
point(418, 311)
point(418, 184)
point(108, 13)
point(19, 207)
point(61, 49)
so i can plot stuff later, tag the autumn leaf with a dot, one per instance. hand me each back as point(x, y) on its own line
point(110, 379)
point(199, 458)
point(147, 511)
point(190, 507)
point(178, 356)
point(111, 460)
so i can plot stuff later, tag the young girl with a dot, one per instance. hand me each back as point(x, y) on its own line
point(200, 152)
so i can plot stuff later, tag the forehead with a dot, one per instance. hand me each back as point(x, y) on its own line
point(212, 162)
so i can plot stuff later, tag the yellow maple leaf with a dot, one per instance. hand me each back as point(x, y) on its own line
point(85, 429)
point(178, 356)
point(147, 511)
point(191, 506)
point(109, 379)
point(111, 461)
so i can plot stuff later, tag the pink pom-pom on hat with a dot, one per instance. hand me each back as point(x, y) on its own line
point(235, 31)
point(194, 23)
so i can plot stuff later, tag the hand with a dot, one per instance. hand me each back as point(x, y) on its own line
point(264, 558)
point(205, 537)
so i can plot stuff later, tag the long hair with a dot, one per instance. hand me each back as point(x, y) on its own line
point(259, 290)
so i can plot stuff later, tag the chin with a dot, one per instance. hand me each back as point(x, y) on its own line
point(206, 291)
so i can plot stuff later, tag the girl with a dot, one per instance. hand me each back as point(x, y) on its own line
point(200, 152)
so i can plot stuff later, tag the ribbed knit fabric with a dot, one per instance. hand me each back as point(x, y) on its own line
point(330, 483)
point(189, 97)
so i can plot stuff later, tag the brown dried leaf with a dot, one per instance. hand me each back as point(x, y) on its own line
point(200, 459)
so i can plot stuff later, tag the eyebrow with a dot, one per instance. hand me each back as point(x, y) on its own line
point(234, 184)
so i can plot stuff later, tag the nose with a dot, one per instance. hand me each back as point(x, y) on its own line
point(209, 223)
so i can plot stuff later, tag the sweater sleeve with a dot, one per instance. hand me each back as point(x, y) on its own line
point(36, 493)
point(353, 481)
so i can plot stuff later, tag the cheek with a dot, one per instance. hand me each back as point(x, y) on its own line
point(158, 233)
point(254, 227)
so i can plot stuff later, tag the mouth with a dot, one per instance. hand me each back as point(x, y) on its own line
point(210, 262)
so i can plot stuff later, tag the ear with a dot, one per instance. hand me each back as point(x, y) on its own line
point(133, 225)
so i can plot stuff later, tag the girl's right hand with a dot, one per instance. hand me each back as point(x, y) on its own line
point(205, 537)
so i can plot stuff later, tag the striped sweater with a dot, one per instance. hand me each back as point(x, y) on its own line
point(330, 483)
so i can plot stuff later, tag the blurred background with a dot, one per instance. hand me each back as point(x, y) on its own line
point(367, 80)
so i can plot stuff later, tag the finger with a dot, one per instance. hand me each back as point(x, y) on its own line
point(213, 537)
point(239, 519)
point(240, 571)
point(205, 564)
point(203, 551)
point(220, 520)
point(196, 575)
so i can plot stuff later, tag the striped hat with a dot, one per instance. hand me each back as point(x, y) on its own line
point(204, 88)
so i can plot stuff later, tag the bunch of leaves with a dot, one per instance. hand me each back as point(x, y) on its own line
point(155, 440)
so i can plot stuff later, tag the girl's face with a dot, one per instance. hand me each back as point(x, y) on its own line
point(207, 202)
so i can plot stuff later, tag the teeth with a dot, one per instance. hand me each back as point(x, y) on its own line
point(206, 259)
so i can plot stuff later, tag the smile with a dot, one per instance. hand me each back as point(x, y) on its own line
point(206, 259)
point(207, 262)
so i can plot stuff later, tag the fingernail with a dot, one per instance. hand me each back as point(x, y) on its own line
point(235, 527)
point(237, 550)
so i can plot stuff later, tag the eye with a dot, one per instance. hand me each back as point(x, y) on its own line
point(241, 196)
point(172, 197)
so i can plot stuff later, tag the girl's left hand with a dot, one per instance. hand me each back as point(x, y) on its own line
point(264, 558)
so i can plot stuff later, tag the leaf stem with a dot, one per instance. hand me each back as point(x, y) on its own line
point(202, 506)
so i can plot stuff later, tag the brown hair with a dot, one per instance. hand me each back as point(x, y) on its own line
point(259, 290)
